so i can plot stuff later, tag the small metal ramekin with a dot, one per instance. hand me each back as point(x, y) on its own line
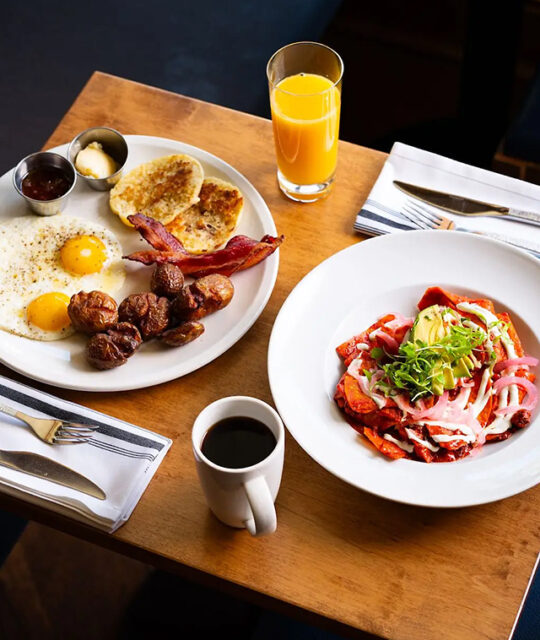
point(112, 142)
point(36, 161)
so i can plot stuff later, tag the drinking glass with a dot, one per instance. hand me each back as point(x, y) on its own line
point(305, 98)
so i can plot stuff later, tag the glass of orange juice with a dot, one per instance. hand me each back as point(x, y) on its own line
point(305, 98)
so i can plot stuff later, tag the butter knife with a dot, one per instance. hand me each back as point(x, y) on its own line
point(42, 467)
point(466, 206)
point(532, 247)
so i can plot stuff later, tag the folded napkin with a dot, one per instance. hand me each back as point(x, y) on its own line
point(527, 623)
point(381, 212)
point(120, 458)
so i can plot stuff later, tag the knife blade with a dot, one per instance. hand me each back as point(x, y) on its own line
point(42, 467)
point(465, 206)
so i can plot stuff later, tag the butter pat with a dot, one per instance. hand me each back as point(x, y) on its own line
point(93, 162)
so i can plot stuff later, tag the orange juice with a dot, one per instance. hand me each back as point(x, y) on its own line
point(305, 117)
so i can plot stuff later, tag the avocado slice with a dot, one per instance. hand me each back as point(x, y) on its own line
point(449, 378)
point(462, 368)
point(437, 387)
point(429, 326)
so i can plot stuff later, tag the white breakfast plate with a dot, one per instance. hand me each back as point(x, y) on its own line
point(62, 363)
point(340, 298)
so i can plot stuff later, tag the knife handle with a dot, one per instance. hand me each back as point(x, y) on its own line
point(523, 216)
point(531, 247)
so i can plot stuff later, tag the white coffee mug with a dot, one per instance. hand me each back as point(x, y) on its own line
point(241, 497)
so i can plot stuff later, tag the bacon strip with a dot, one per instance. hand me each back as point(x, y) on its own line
point(241, 252)
point(155, 234)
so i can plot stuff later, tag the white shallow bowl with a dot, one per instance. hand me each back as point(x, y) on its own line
point(63, 364)
point(340, 298)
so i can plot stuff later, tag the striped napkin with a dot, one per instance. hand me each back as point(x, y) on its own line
point(527, 623)
point(121, 458)
point(381, 212)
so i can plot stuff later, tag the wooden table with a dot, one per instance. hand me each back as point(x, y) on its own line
point(344, 558)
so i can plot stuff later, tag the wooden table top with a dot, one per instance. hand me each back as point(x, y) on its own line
point(344, 557)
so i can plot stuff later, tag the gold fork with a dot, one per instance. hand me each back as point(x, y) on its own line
point(423, 218)
point(54, 431)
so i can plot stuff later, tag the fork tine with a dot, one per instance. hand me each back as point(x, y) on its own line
point(77, 428)
point(70, 440)
point(423, 210)
point(432, 223)
point(80, 425)
point(74, 434)
point(412, 217)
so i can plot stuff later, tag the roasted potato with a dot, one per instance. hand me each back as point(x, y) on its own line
point(183, 334)
point(92, 312)
point(203, 297)
point(167, 280)
point(147, 311)
point(113, 347)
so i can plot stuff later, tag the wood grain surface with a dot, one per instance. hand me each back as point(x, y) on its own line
point(345, 556)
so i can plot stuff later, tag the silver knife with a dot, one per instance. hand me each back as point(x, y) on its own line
point(42, 467)
point(466, 206)
point(531, 247)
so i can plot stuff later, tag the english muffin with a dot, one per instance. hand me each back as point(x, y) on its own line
point(161, 189)
point(207, 225)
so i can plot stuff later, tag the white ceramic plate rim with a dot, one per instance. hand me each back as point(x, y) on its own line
point(268, 274)
point(420, 482)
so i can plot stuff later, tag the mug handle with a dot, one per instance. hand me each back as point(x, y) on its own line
point(264, 519)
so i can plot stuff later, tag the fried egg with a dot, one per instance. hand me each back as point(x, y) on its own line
point(47, 260)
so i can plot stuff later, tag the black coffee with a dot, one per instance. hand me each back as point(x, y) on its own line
point(238, 442)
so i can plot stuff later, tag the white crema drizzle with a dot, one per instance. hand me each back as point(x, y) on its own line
point(508, 396)
point(409, 448)
point(379, 400)
point(412, 435)
point(363, 381)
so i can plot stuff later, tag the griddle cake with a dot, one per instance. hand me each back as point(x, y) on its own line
point(209, 223)
point(161, 189)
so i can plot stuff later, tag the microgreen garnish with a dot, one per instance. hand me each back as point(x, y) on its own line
point(417, 366)
point(377, 353)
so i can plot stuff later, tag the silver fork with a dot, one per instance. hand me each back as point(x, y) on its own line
point(423, 218)
point(54, 431)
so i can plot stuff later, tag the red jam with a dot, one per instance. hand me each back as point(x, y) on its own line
point(45, 183)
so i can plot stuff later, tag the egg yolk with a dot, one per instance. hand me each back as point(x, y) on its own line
point(49, 311)
point(82, 255)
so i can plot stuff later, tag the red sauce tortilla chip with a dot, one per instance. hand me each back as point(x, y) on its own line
point(389, 449)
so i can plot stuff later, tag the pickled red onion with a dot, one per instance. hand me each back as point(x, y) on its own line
point(390, 342)
point(434, 412)
point(513, 362)
point(437, 410)
point(399, 322)
point(404, 404)
point(511, 409)
point(354, 368)
point(378, 375)
point(530, 400)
